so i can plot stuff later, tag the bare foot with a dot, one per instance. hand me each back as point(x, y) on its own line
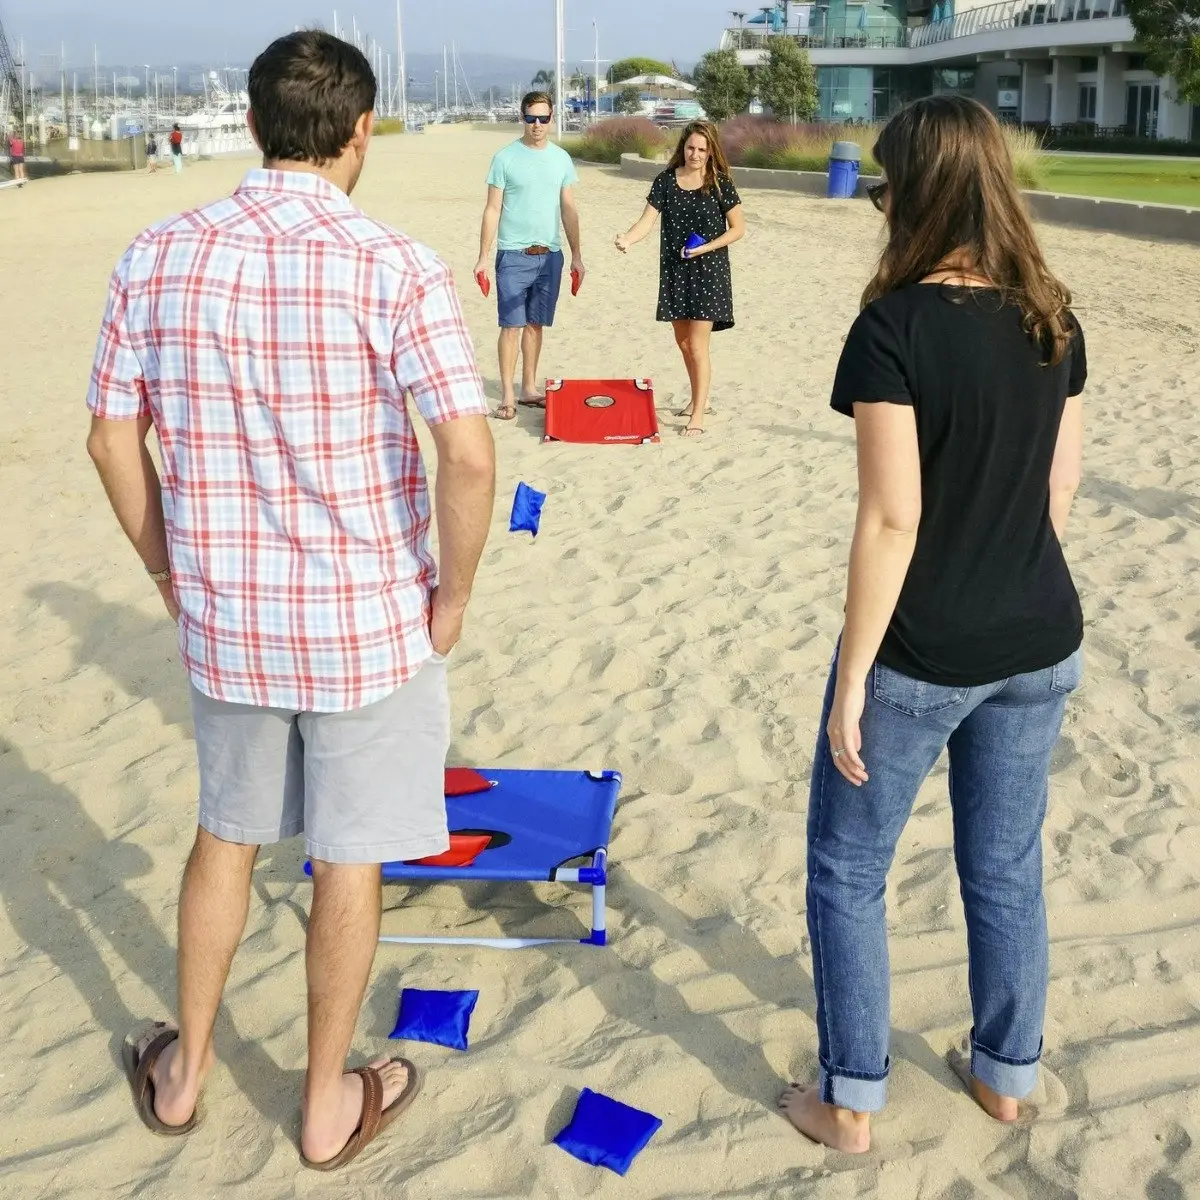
point(328, 1128)
point(1001, 1108)
point(175, 1095)
point(531, 398)
point(838, 1128)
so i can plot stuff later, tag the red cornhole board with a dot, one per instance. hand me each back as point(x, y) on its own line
point(601, 411)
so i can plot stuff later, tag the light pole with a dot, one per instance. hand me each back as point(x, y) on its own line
point(175, 91)
point(147, 65)
point(558, 66)
point(401, 67)
point(596, 76)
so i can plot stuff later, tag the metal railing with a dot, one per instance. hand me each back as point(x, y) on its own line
point(817, 38)
point(1006, 14)
point(1014, 14)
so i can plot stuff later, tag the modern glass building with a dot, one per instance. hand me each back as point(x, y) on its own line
point(1058, 63)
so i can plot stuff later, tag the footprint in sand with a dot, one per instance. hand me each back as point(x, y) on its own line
point(666, 776)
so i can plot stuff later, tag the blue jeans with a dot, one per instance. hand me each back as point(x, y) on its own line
point(1000, 738)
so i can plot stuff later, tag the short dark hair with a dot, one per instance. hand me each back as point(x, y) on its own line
point(532, 98)
point(307, 93)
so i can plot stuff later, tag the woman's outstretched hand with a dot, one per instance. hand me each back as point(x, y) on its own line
point(845, 736)
point(622, 242)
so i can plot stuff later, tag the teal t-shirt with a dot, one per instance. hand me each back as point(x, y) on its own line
point(532, 182)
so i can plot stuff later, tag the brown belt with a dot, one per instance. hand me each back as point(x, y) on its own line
point(537, 250)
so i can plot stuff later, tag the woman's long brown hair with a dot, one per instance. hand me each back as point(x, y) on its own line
point(717, 167)
point(952, 197)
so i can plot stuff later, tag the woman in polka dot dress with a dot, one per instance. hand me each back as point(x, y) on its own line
point(695, 194)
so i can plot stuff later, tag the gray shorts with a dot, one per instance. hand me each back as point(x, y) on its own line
point(365, 786)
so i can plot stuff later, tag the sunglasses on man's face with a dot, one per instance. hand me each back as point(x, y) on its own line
point(534, 119)
point(876, 193)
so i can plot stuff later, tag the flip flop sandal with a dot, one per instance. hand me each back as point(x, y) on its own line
point(375, 1118)
point(692, 431)
point(506, 412)
point(540, 402)
point(139, 1067)
point(687, 412)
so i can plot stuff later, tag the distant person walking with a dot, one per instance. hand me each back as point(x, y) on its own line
point(177, 149)
point(273, 340)
point(962, 625)
point(530, 199)
point(16, 158)
point(694, 195)
point(152, 155)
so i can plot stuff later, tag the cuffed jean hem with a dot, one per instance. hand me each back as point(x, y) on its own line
point(859, 1095)
point(1004, 1075)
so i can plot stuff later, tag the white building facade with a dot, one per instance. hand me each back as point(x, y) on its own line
point(1070, 65)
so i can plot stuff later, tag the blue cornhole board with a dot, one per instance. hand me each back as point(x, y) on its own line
point(547, 819)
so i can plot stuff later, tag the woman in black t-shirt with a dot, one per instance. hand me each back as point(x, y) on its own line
point(962, 627)
point(694, 195)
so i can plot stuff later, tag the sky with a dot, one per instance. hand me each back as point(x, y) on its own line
point(162, 32)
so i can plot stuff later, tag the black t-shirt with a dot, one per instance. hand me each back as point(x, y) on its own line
point(988, 594)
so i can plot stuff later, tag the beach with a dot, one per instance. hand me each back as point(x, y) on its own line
point(673, 620)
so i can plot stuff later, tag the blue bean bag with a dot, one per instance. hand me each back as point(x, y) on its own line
point(526, 510)
point(442, 1018)
point(606, 1133)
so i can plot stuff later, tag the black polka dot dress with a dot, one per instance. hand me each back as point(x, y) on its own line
point(697, 289)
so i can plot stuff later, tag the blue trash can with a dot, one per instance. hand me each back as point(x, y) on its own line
point(843, 170)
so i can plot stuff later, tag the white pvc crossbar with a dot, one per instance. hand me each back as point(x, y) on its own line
point(493, 943)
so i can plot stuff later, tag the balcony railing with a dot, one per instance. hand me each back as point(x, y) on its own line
point(1007, 14)
point(1014, 14)
point(816, 38)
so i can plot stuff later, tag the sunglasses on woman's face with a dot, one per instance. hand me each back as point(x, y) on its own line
point(534, 119)
point(876, 193)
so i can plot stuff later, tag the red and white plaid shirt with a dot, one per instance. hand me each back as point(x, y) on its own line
point(272, 337)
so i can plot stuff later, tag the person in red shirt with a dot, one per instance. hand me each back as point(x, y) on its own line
point(177, 149)
point(16, 157)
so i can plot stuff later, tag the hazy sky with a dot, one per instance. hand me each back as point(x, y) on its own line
point(169, 31)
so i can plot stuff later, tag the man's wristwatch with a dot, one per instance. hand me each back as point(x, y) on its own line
point(159, 576)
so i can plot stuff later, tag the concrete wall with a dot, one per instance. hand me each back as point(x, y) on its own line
point(1167, 221)
point(126, 154)
point(1064, 104)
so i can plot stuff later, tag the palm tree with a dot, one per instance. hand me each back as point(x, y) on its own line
point(544, 80)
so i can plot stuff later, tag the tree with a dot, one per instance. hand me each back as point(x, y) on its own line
point(787, 83)
point(722, 85)
point(629, 100)
point(543, 81)
point(1169, 32)
point(630, 68)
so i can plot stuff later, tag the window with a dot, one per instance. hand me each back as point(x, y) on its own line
point(1141, 109)
point(1089, 66)
point(954, 79)
point(1137, 62)
point(1087, 103)
point(1008, 94)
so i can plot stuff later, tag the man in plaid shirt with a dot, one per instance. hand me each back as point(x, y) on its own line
point(271, 340)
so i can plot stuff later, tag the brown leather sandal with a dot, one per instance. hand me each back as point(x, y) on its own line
point(139, 1067)
point(375, 1118)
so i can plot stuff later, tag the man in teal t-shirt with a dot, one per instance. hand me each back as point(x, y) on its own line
point(530, 197)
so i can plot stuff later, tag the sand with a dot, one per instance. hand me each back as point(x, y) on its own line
point(674, 620)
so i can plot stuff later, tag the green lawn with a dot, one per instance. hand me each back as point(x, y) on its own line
point(1156, 180)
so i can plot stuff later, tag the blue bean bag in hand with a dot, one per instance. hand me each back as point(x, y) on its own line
point(526, 509)
point(442, 1018)
point(606, 1133)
